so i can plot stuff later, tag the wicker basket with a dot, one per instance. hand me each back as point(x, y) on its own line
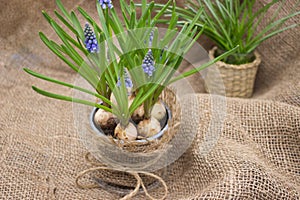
point(232, 80)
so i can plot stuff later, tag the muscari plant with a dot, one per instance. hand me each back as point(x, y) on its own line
point(230, 23)
point(123, 58)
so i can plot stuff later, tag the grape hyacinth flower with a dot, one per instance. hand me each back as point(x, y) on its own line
point(90, 42)
point(128, 81)
point(151, 36)
point(106, 3)
point(148, 64)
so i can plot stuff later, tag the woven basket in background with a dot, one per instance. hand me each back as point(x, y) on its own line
point(232, 80)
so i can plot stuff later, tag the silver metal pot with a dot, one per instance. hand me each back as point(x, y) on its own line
point(163, 123)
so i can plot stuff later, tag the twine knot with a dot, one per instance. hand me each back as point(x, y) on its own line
point(135, 174)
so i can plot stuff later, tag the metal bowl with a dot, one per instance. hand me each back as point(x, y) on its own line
point(163, 123)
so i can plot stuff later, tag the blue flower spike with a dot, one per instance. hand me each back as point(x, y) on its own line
point(148, 64)
point(90, 42)
point(128, 81)
point(151, 37)
point(106, 4)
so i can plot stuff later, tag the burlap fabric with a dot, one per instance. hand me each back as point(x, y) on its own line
point(256, 156)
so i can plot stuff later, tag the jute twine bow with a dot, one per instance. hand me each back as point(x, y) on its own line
point(135, 174)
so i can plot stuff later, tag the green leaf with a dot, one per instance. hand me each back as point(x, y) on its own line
point(132, 20)
point(67, 98)
point(116, 21)
point(271, 35)
point(219, 23)
point(145, 16)
point(47, 17)
point(65, 22)
point(195, 70)
point(63, 36)
point(63, 10)
point(274, 25)
point(160, 13)
point(56, 52)
point(40, 76)
point(77, 26)
point(89, 19)
point(144, 6)
point(50, 45)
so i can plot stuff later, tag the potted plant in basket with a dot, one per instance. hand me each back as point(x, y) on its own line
point(126, 75)
point(129, 65)
point(231, 23)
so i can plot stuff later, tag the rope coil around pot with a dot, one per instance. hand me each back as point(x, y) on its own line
point(135, 174)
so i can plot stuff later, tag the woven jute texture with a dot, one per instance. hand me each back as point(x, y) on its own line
point(232, 80)
point(254, 155)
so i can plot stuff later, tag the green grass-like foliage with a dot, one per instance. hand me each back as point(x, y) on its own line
point(237, 22)
point(122, 46)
